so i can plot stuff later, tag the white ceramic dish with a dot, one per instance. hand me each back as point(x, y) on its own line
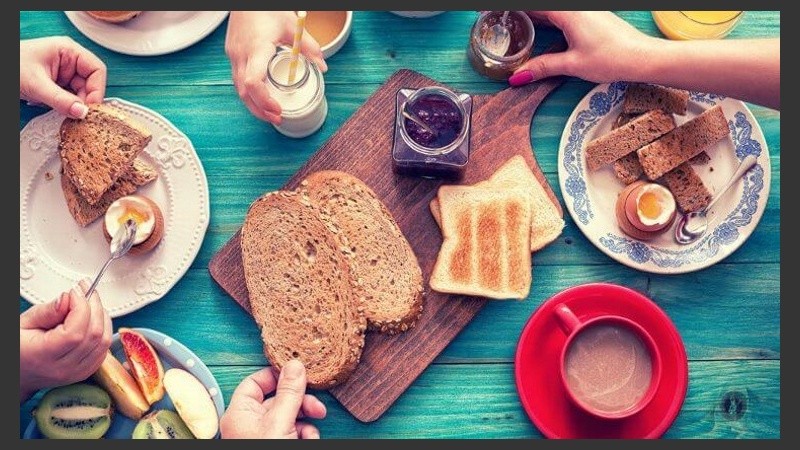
point(332, 47)
point(591, 196)
point(151, 32)
point(55, 252)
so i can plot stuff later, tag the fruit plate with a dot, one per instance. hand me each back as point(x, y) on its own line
point(55, 252)
point(591, 196)
point(172, 354)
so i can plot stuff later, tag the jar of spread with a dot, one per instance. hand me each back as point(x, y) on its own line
point(303, 104)
point(480, 51)
point(441, 150)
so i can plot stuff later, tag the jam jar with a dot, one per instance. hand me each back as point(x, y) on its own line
point(500, 67)
point(442, 150)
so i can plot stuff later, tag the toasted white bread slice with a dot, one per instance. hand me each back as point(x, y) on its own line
point(546, 220)
point(486, 243)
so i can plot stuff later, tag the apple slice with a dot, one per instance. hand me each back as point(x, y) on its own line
point(144, 363)
point(193, 403)
point(122, 388)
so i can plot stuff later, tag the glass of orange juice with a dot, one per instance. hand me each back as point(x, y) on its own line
point(696, 24)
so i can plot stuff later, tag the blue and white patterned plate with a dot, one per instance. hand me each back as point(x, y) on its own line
point(591, 196)
point(172, 354)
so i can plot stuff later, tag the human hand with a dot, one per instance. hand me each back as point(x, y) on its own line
point(62, 342)
point(250, 416)
point(602, 48)
point(250, 43)
point(60, 73)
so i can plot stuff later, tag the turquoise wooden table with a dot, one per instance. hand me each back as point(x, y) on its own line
point(728, 314)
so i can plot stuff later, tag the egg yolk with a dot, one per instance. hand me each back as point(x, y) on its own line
point(649, 206)
point(135, 214)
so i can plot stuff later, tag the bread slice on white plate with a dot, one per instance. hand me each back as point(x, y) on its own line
point(486, 243)
point(546, 220)
point(301, 289)
point(382, 261)
point(98, 149)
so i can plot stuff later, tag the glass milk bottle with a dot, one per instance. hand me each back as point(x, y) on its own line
point(303, 103)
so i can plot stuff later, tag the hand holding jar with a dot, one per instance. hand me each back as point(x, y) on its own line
point(250, 43)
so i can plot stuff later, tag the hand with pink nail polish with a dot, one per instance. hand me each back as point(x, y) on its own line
point(250, 42)
point(60, 73)
point(603, 48)
point(253, 415)
point(62, 342)
point(600, 44)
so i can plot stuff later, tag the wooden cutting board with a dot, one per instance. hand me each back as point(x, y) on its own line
point(362, 147)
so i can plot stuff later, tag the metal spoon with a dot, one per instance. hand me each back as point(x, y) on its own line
point(499, 37)
point(120, 244)
point(693, 225)
point(413, 117)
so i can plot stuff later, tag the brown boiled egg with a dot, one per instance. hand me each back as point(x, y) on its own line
point(650, 207)
point(147, 215)
point(645, 210)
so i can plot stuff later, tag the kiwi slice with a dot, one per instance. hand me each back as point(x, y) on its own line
point(77, 411)
point(162, 424)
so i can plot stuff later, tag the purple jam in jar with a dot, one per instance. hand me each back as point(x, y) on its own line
point(418, 152)
point(440, 114)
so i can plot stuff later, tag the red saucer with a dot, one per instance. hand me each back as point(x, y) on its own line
point(537, 373)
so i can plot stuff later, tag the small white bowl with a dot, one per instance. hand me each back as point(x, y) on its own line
point(416, 14)
point(333, 46)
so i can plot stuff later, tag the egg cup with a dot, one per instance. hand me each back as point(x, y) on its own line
point(625, 223)
point(155, 236)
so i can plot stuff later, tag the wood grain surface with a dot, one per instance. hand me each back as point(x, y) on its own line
point(729, 315)
point(362, 147)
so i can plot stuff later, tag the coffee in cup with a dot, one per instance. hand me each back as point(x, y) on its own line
point(610, 365)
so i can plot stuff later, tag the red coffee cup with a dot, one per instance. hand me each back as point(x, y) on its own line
point(613, 338)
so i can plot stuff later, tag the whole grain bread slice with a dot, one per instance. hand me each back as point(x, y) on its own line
point(642, 97)
point(628, 138)
point(390, 279)
point(683, 143)
point(300, 289)
point(140, 174)
point(98, 149)
point(628, 168)
point(687, 187)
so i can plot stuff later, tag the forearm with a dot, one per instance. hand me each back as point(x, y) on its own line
point(748, 70)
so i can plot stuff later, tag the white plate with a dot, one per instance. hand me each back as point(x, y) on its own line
point(151, 32)
point(591, 196)
point(55, 252)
